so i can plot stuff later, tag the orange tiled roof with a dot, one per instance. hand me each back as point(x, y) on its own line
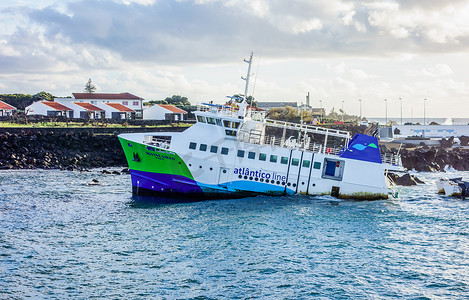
point(173, 109)
point(106, 96)
point(56, 105)
point(88, 106)
point(120, 107)
point(4, 105)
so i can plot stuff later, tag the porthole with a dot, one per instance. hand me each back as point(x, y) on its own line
point(302, 183)
point(289, 184)
point(278, 182)
point(245, 177)
point(256, 179)
point(250, 178)
point(224, 171)
point(190, 165)
point(200, 167)
point(314, 184)
point(272, 181)
point(240, 176)
point(262, 179)
point(283, 182)
point(294, 185)
point(211, 168)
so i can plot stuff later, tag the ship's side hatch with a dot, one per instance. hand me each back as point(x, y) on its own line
point(224, 176)
point(333, 169)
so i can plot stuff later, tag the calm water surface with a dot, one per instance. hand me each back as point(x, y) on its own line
point(63, 238)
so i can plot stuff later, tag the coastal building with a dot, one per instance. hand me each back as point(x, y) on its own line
point(84, 110)
point(164, 112)
point(429, 131)
point(117, 111)
point(49, 108)
point(134, 104)
point(6, 109)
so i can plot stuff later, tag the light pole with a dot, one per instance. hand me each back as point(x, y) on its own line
point(360, 100)
point(386, 106)
point(400, 99)
point(342, 110)
point(320, 101)
point(424, 120)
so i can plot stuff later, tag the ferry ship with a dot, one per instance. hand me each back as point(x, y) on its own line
point(234, 151)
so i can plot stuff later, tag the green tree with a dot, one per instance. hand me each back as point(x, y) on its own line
point(42, 96)
point(90, 87)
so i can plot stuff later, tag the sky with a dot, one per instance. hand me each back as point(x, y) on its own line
point(413, 53)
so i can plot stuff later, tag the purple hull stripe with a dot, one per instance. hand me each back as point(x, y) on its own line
point(163, 183)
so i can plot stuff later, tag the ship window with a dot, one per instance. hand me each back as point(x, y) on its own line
point(262, 156)
point(317, 165)
point(211, 120)
point(252, 155)
point(284, 160)
point(214, 149)
point(192, 145)
point(227, 123)
point(295, 161)
point(240, 153)
point(230, 132)
point(201, 119)
point(306, 163)
point(203, 147)
point(273, 158)
point(235, 124)
point(224, 151)
point(218, 121)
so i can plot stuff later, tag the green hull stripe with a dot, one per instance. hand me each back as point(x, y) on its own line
point(151, 159)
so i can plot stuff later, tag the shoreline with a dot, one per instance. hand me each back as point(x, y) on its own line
point(87, 148)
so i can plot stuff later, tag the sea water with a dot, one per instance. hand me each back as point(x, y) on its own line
point(63, 237)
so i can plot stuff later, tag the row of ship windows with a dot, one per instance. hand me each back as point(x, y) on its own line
point(252, 155)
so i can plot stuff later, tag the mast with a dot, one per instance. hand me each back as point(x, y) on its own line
point(247, 77)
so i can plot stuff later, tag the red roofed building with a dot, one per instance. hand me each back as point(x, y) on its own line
point(130, 101)
point(6, 109)
point(164, 112)
point(49, 108)
point(117, 111)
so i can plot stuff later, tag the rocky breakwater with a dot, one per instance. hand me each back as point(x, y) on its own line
point(49, 149)
point(435, 159)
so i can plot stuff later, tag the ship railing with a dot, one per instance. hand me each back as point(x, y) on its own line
point(392, 159)
point(163, 143)
point(308, 128)
point(291, 143)
point(223, 110)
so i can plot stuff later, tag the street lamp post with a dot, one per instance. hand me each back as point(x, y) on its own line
point(342, 110)
point(360, 100)
point(424, 120)
point(320, 101)
point(386, 106)
point(400, 99)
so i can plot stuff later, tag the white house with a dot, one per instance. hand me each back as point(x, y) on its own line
point(164, 112)
point(116, 111)
point(132, 102)
point(84, 110)
point(6, 109)
point(49, 108)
